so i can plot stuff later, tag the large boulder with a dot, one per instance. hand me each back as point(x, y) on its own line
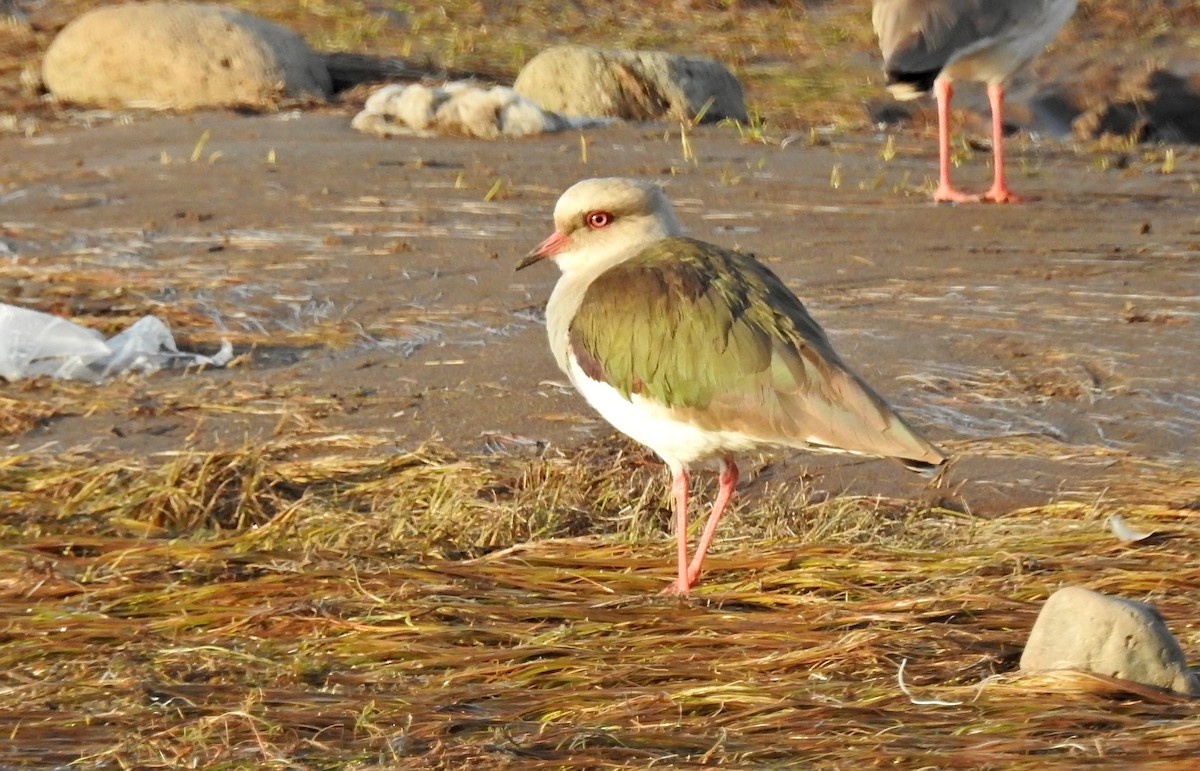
point(1082, 629)
point(179, 56)
point(631, 85)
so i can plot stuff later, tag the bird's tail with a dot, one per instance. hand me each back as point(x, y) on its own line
point(910, 85)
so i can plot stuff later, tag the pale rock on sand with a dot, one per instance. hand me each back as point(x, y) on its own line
point(1082, 629)
point(458, 108)
point(414, 106)
point(180, 56)
point(631, 85)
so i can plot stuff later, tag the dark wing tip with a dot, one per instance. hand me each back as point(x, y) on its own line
point(923, 467)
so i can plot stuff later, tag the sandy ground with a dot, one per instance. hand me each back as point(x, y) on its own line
point(1050, 346)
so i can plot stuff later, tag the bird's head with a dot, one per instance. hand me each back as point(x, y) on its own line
point(601, 222)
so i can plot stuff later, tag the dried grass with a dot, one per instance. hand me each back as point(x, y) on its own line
point(304, 604)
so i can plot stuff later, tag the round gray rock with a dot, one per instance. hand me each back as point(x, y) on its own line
point(631, 85)
point(180, 56)
point(1082, 629)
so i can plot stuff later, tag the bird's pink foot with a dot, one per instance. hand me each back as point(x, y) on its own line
point(1004, 195)
point(947, 194)
point(677, 589)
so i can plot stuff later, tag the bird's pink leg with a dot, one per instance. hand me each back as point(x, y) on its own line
point(999, 192)
point(729, 479)
point(946, 192)
point(679, 491)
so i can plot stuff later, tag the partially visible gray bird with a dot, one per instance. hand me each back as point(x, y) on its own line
point(928, 44)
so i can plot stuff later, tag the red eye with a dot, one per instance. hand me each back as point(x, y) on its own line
point(599, 219)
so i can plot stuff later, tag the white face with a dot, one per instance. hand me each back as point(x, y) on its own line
point(600, 222)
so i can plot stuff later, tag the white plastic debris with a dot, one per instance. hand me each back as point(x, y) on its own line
point(1124, 532)
point(34, 343)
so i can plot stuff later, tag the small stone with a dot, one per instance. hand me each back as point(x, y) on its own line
point(1082, 629)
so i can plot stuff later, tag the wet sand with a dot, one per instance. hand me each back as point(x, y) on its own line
point(1049, 346)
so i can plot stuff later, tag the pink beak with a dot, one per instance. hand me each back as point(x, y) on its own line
point(548, 248)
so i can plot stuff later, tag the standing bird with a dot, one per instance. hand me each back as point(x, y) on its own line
point(697, 351)
point(928, 44)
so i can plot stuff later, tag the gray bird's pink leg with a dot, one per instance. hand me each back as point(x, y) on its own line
point(999, 192)
point(946, 192)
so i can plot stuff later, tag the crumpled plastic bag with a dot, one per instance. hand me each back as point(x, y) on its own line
point(34, 343)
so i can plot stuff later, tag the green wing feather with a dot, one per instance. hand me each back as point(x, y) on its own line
point(718, 337)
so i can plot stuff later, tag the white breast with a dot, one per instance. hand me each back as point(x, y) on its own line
point(676, 441)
